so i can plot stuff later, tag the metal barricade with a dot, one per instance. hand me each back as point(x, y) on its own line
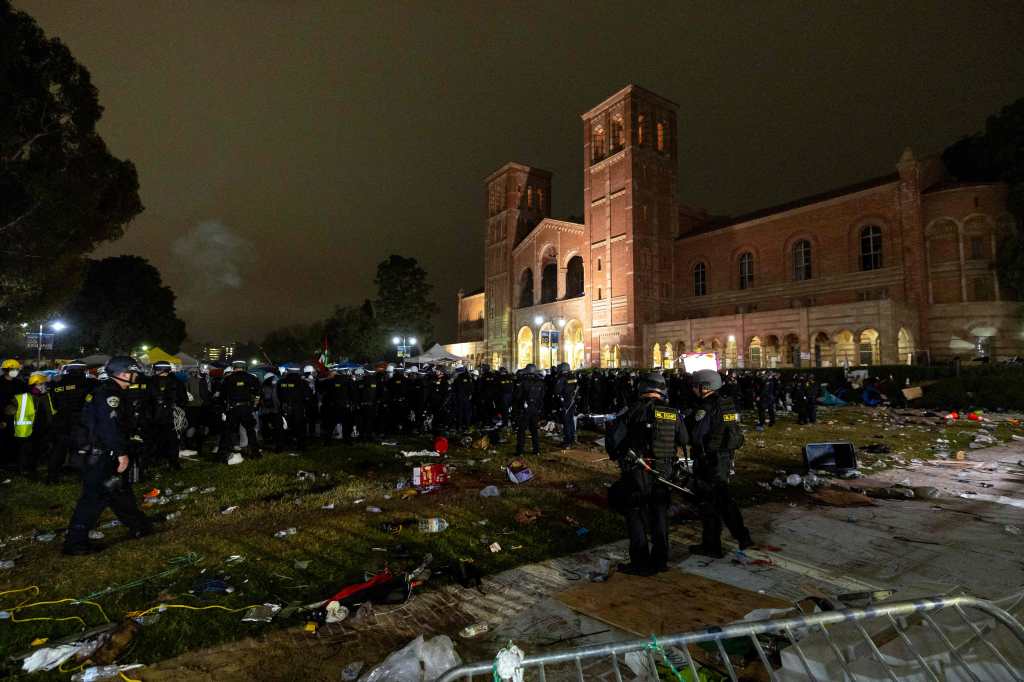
point(939, 638)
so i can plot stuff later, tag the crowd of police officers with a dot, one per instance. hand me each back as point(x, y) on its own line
point(670, 430)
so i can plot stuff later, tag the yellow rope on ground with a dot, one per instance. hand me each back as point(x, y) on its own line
point(126, 678)
point(158, 607)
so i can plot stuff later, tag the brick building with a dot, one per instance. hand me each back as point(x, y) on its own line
point(900, 268)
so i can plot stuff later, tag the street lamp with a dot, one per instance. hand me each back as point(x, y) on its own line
point(403, 345)
point(56, 326)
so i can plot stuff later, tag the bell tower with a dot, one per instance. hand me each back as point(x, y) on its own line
point(518, 197)
point(631, 209)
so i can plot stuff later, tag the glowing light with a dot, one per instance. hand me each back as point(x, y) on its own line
point(396, 340)
point(412, 340)
point(732, 339)
point(58, 326)
point(561, 322)
point(538, 320)
point(24, 325)
point(254, 362)
point(145, 348)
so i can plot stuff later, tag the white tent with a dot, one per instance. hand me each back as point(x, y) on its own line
point(435, 355)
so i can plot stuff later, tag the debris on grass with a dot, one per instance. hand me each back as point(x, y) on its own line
point(490, 491)
point(285, 532)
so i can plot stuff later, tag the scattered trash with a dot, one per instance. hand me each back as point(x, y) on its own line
point(960, 455)
point(508, 664)
point(420, 453)
point(490, 491)
point(261, 614)
point(429, 474)
point(285, 533)
point(998, 499)
point(103, 672)
point(433, 525)
point(328, 506)
point(305, 475)
point(172, 516)
point(793, 480)
point(228, 510)
point(235, 458)
point(350, 673)
point(374, 510)
point(494, 547)
point(96, 535)
point(837, 457)
point(45, 537)
point(925, 492)
point(335, 612)
point(525, 517)
point(6, 565)
point(471, 631)
point(581, 531)
point(893, 493)
point(301, 565)
point(418, 660)
point(604, 567)
point(518, 471)
point(1012, 530)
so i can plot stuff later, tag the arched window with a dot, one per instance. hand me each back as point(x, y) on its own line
point(540, 199)
point(640, 123)
point(524, 347)
point(549, 276)
point(870, 347)
point(529, 197)
point(656, 356)
point(574, 277)
point(618, 133)
point(700, 280)
point(802, 260)
point(754, 353)
point(661, 136)
point(746, 270)
point(526, 288)
point(870, 247)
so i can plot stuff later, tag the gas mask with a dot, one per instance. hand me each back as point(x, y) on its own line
point(13, 373)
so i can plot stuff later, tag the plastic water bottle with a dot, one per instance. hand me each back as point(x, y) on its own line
point(98, 672)
point(433, 525)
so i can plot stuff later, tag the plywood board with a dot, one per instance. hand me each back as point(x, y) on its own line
point(667, 603)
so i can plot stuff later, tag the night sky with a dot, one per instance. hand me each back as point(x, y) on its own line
point(285, 148)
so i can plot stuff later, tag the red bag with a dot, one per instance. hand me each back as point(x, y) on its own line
point(429, 474)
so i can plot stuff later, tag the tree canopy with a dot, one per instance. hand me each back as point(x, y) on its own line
point(122, 305)
point(61, 191)
point(404, 305)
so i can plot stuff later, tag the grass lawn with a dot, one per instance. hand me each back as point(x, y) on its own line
point(344, 543)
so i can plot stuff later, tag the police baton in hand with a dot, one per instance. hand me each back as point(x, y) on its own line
point(636, 459)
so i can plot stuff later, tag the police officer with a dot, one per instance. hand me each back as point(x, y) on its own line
point(270, 412)
point(463, 388)
point(293, 393)
point(566, 391)
point(714, 434)
point(764, 388)
point(166, 393)
point(368, 392)
point(68, 393)
point(644, 441)
point(337, 392)
point(527, 406)
point(198, 398)
point(239, 394)
point(104, 478)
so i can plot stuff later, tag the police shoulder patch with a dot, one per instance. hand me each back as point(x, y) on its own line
point(88, 398)
point(113, 401)
point(699, 415)
point(666, 415)
point(731, 416)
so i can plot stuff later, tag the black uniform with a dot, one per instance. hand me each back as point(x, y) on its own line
point(765, 390)
point(270, 412)
point(102, 486)
point(338, 393)
point(238, 393)
point(197, 410)
point(566, 396)
point(650, 430)
point(368, 392)
point(715, 434)
point(527, 406)
point(166, 392)
point(462, 388)
point(293, 393)
point(68, 394)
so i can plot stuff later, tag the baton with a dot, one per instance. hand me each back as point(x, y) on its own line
point(658, 476)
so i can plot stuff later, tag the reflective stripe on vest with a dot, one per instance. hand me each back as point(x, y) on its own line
point(26, 416)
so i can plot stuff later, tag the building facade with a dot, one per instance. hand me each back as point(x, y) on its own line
point(896, 269)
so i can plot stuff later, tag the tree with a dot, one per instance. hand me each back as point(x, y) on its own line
point(404, 305)
point(997, 154)
point(61, 191)
point(294, 343)
point(353, 332)
point(122, 305)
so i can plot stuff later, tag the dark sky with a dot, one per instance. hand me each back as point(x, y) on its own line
point(285, 148)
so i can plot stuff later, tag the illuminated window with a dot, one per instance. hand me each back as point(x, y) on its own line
point(700, 280)
point(529, 197)
point(802, 260)
point(540, 199)
point(618, 132)
point(661, 136)
point(599, 143)
point(870, 247)
point(640, 123)
point(746, 270)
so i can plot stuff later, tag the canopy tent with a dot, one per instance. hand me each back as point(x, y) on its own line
point(186, 360)
point(157, 354)
point(435, 355)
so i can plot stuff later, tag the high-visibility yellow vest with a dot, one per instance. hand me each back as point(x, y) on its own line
point(24, 416)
